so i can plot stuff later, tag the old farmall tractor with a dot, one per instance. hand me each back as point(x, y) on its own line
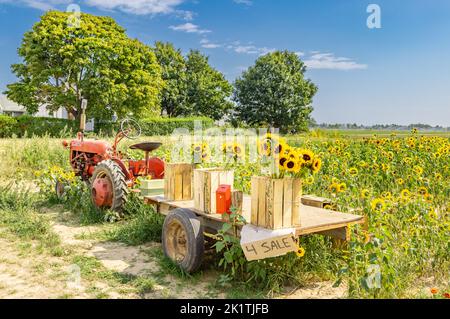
point(107, 171)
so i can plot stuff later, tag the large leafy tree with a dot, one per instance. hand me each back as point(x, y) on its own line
point(173, 66)
point(275, 92)
point(208, 91)
point(63, 64)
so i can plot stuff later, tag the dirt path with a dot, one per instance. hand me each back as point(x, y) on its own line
point(26, 273)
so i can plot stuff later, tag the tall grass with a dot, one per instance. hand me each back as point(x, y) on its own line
point(19, 216)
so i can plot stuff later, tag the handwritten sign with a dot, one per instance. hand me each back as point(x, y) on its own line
point(261, 243)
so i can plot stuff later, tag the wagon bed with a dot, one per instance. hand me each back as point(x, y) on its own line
point(313, 219)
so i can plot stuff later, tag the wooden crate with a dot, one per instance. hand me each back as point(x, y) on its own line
point(206, 182)
point(275, 203)
point(150, 187)
point(178, 181)
point(314, 201)
point(237, 200)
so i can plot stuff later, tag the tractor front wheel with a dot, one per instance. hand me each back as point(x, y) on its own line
point(108, 187)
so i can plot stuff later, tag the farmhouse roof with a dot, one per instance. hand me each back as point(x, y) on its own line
point(6, 105)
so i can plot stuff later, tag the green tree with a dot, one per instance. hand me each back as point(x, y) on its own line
point(208, 91)
point(173, 67)
point(275, 92)
point(65, 63)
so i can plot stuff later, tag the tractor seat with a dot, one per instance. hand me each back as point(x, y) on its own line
point(146, 146)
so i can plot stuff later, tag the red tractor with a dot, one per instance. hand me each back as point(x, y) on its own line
point(106, 170)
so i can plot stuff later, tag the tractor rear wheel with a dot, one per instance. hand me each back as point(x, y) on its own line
point(108, 187)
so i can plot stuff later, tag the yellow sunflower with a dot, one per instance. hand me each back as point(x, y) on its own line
point(300, 252)
point(353, 171)
point(307, 156)
point(405, 194)
point(317, 165)
point(378, 205)
point(365, 193)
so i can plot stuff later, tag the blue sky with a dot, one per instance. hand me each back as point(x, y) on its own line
point(399, 73)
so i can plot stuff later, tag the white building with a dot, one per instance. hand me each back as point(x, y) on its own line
point(11, 108)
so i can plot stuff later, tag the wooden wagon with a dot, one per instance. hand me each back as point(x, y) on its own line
point(185, 227)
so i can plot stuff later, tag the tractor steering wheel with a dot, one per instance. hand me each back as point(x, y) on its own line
point(130, 129)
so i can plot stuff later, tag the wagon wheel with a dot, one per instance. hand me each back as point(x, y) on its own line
point(108, 187)
point(60, 189)
point(182, 239)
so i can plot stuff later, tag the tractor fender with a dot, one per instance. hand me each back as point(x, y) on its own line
point(123, 168)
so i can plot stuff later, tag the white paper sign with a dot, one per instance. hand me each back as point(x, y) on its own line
point(260, 243)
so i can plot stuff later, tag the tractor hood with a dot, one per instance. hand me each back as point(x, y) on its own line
point(91, 146)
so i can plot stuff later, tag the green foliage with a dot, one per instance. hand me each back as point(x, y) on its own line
point(207, 89)
point(40, 126)
point(141, 225)
point(157, 126)
point(64, 64)
point(19, 216)
point(76, 196)
point(8, 126)
point(173, 70)
point(275, 92)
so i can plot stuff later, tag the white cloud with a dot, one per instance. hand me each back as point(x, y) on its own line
point(189, 28)
point(329, 62)
point(209, 45)
point(246, 2)
point(249, 49)
point(43, 5)
point(140, 7)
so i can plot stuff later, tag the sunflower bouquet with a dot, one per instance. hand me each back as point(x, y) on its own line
point(288, 161)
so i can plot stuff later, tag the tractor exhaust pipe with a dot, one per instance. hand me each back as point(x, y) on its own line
point(83, 117)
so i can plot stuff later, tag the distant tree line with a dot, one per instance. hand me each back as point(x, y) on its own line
point(62, 65)
point(391, 127)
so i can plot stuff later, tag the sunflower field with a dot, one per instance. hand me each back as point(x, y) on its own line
point(402, 184)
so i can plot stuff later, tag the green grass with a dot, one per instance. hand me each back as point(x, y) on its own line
point(19, 216)
point(142, 224)
point(92, 270)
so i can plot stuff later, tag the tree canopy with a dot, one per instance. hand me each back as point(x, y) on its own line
point(208, 91)
point(63, 64)
point(173, 67)
point(275, 92)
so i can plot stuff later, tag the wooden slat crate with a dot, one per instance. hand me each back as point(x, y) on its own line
point(314, 201)
point(151, 187)
point(178, 181)
point(275, 203)
point(206, 182)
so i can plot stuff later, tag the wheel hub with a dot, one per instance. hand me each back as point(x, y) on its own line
point(176, 241)
point(102, 193)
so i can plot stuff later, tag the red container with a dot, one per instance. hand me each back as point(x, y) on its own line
point(223, 199)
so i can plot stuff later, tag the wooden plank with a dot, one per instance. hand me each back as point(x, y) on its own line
point(237, 200)
point(254, 201)
point(197, 183)
point(262, 202)
point(278, 203)
point(178, 183)
point(269, 202)
point(320, 202)
point(287, 202)
point(314, 220)
point(296, 198)
point(214, 180)
point(187, 184)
